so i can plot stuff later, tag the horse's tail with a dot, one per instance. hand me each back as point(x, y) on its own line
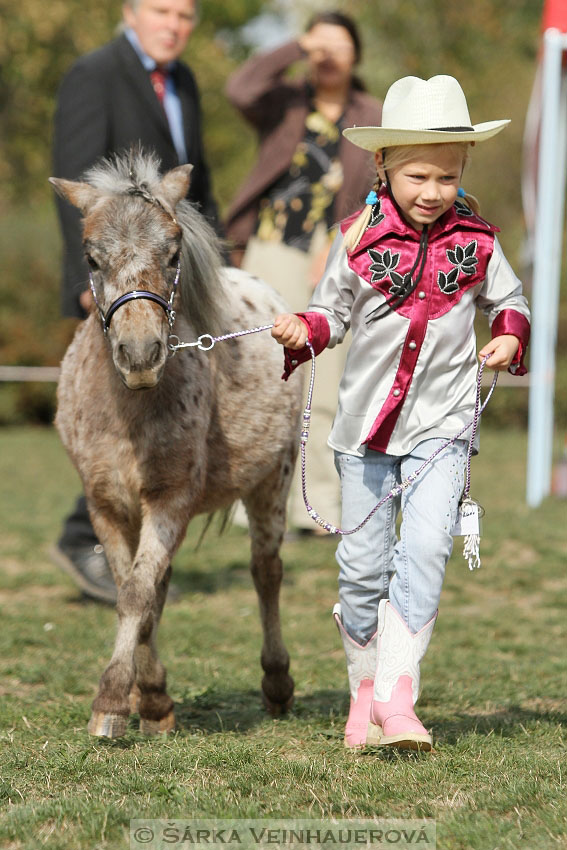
point(225, 519)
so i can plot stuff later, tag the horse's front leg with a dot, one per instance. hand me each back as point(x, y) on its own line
point(155, 705)
point(140, 602)
point(119, 537)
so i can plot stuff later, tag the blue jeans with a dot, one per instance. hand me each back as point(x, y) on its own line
point(374, 563)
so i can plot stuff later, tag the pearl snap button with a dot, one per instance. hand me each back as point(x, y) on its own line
point(396, 393)
point(294, 362)
point(421, 295)
point(412, 345)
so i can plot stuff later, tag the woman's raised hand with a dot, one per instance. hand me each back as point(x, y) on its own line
point(311, 43)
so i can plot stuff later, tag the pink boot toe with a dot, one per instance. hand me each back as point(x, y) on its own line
point(397, 721)
point(357, 723)
point(361, 665)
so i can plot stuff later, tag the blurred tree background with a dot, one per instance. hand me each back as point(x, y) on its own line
point(491, 47)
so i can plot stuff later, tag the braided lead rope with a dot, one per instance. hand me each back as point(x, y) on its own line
point(403, 485)
point(399, 488)
point(477, 412)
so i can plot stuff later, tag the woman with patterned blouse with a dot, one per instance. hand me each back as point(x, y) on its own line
point(307, 178)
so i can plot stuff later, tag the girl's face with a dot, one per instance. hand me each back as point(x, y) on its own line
point(425, 187)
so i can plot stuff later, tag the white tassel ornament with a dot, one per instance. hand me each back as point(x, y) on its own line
point(471, 551)
point(468, 526)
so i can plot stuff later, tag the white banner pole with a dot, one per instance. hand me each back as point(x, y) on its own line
point(547, 267)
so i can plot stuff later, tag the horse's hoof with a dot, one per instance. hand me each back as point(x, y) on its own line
point(156, 727)
point(276, 709)
point(107, 725)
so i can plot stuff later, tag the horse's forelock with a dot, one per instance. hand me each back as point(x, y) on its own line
point(121, 173)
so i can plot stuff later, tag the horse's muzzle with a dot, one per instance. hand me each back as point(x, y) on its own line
point(140, 364)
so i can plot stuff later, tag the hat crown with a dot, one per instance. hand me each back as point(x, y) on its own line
point(415, 104)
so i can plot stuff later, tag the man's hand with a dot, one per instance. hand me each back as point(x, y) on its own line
point(86, 300)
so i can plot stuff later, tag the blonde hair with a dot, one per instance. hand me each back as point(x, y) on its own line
point(397, 156)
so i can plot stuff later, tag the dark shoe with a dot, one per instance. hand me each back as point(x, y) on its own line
point(296, 534)
point(88, 567)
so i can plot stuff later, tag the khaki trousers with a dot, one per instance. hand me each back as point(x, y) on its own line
point(287, 270)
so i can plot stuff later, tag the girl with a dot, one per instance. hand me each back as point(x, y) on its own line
point(406, 275)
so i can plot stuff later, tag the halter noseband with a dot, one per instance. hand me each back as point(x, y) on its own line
point(135, 295)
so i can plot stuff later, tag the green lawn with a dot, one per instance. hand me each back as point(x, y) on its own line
point(494, 683)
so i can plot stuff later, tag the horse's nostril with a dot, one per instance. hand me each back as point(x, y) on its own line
point(156, 353)
point(123, 356)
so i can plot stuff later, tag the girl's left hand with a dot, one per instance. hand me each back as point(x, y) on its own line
point(501, 351)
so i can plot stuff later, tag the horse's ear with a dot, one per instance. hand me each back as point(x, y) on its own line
point(175, 184)
point(81, 195)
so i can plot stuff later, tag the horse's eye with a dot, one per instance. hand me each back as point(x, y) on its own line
point(92, 263)
point(175, 260)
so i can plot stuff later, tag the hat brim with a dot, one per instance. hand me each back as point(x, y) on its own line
point(376, 138)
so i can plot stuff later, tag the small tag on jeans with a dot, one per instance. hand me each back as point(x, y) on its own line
point(468, 519)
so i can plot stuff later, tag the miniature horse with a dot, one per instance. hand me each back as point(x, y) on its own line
point(157, 438)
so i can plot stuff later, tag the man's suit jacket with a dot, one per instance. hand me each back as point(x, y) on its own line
point(106, 103)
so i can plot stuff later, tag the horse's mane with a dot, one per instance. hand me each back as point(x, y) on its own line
point(200, 289)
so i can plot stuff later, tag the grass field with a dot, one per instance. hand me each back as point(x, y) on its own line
point(494, 683)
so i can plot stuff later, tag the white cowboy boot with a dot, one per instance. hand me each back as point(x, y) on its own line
point(396, 684)
point(361, 665)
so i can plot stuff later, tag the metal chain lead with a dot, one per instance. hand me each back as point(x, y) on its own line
point(200, 344)
point(399, 488)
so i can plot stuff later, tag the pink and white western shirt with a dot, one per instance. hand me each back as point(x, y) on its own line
point(411, 375)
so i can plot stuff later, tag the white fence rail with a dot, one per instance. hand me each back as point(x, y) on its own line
point(29, 373)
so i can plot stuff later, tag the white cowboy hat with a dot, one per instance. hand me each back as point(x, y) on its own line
point(423, 112)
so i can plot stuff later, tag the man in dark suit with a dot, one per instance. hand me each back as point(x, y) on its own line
point(133, 90)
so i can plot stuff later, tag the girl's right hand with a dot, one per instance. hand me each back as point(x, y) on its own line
point(290, 331)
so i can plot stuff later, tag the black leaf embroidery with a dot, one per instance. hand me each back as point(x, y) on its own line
point(464, 261)
point(400, 283)
point(462, 209)
point(383, 264)
point(464, 258)
point(376, 216)
point(470, 261)
point(448, 282)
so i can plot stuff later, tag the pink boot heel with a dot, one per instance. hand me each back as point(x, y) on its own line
point(393, 721)
point(361, 664)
